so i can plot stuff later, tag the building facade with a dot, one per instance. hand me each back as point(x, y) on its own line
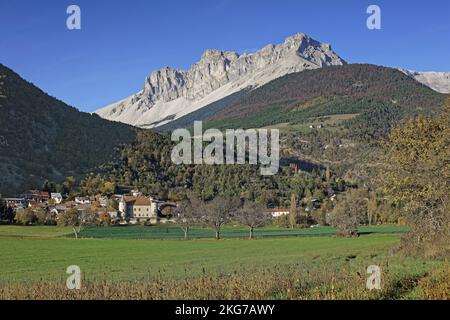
point(36, 196)
point(138, 209)
point(16, 203)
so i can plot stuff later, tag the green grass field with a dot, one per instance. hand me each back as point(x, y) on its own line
point(127, 259)
point(174, 232)
point(35, 231)
point(45, 252)
point(39, 256)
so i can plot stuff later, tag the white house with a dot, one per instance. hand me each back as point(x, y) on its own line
point(16, 203)
point(82, 200)
point(113, 214)
point(57, 197)
point(276, 213)
point(136, 193)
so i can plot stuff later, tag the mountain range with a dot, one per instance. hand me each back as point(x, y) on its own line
point(299, 85)
point(222, 77)
point(169, 94)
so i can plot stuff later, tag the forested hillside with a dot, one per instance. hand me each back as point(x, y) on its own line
point(333, 117)
point(43, 138)
point(332, 90)
point(145, 164)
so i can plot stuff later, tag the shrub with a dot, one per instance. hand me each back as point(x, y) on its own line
point(26, 217)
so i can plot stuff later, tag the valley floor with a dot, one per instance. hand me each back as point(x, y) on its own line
point(36, 258)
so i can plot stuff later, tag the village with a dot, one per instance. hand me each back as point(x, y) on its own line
point(119, 209)
point(133, 208)
point(106, 206)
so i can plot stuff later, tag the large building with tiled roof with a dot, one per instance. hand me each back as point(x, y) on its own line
point(138, 209)
point(36, 196)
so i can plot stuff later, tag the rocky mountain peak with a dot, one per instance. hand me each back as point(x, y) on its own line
point(212, 54)
point(296, 40)
point(217, 74)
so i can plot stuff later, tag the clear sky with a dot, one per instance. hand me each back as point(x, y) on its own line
point(121, 42)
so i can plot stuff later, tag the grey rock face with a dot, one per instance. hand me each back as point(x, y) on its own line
point(215, 70)
point(438, 81)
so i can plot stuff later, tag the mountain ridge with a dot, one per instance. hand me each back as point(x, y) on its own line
point(348, 87)
point(438, 81)
point(42, 138)
point(171, 93)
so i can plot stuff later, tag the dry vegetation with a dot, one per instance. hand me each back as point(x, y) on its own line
point(279, 283)
point(436, 285)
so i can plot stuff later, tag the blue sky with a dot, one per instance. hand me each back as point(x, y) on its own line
point(121, 42)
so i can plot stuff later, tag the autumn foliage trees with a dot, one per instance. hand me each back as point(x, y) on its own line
point(416, 179)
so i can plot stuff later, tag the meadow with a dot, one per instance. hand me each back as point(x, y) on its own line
point(199, 232)
point(280, 267)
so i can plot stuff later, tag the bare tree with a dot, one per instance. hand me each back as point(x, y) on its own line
point(218, 212)
point(78, 219)
point(186, 215)
point(253, 215)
